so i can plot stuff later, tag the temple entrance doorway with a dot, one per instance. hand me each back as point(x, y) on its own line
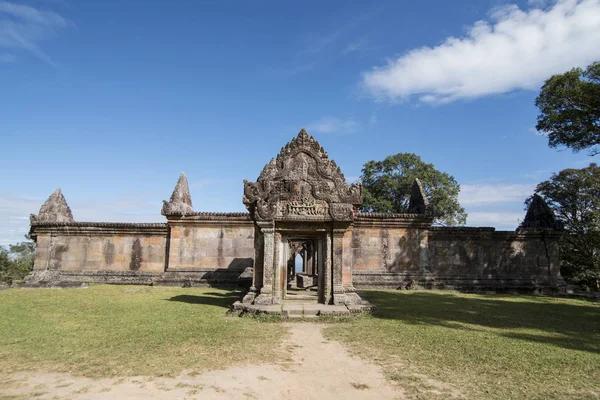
point(302, 269)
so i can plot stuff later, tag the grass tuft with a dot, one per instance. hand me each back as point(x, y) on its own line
point(108, 331)
point(447, 344)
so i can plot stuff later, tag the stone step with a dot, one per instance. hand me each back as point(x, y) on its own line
point(301, 298)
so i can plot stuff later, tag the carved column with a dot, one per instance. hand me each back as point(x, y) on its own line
point(277, 267)
point(266, 292)
point(327, 269)
point(257, 275)
point(337, 262)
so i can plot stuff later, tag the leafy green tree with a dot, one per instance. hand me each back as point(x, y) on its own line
point(387, 187)
point(569, 107)
point(5, 265)
point(17, 262)
point(574, 195)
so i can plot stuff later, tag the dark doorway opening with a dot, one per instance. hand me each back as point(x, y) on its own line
point(302, 281)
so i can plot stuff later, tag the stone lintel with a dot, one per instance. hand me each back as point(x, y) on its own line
point(381, 220)
point(100, 228)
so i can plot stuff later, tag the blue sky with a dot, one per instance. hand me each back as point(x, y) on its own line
point(111, 100)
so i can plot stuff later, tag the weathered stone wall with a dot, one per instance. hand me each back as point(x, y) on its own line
point(99, 252)
point(485, 258)
point(381, 251)
point(405, 253)
point(204, 248)
point(212, 248)
point(114, 247)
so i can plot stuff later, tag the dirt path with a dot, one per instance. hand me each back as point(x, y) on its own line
point(311, 368)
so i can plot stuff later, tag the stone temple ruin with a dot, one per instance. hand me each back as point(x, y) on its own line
point(302, 238)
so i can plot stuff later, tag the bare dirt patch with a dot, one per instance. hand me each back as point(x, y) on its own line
point(310, 367)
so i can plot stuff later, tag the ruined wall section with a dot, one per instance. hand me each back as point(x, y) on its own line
point(99, 252)
point(485, 258)
point(388, 248)
point(403, 252)
point(200, 249)
point(215, 248)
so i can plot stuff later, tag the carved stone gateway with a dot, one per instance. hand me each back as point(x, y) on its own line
point(301, 193)
point(302, 241)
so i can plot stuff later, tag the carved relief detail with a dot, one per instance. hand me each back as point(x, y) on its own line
point(302, 183)
point(342, 212)
point(269, 258)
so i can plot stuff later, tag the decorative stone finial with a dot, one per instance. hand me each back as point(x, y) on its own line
point(418, 202)
point(55, 209)
point(181, 200)
point(540, 215)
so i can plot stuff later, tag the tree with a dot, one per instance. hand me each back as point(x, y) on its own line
point(569, 107)
point(17, 262)
point(574, 195)
point(5, 265)
point(387, 187)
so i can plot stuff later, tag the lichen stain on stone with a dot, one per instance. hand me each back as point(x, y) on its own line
point(136, 255)
point(109, 252)
point(220, 258)
point(59, 250)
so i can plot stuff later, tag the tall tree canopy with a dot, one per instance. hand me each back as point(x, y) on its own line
point(574, 195)
point(387, 187)
point(569, 107)
point(17, 261)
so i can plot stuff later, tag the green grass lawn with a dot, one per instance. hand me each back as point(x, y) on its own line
point(481, 346)
point(127, 331)
point(434, 344)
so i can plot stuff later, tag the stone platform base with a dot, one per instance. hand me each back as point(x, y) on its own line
point(302, 310)
point(218, 278)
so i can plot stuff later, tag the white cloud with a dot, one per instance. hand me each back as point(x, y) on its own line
point(536, 132)
point(24, 27)
point(15, 211)
point(373, 119)
point(333, 125)
point(538, 3)
point(496, 219)
point(355, 46)
point(472, 195)
point(512, 49)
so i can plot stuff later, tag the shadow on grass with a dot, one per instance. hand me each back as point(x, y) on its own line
point(211, 299)
point(571, 326)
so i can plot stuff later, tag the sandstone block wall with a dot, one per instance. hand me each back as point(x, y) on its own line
point(211, 247)
point(112, 247)
point(203, 251)
point(391, 255)
point(523, 257)
point(218, 249)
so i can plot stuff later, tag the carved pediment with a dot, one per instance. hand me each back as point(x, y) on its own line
point(302, 183)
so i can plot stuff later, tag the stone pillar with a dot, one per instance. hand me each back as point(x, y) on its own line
point(258, 271)
point(327, 269)
point(337, 263)
point(266, 291)
point(277, 268)
point(349, 291)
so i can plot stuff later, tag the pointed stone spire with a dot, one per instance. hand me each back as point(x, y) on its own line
point(540, 215)
point(418, 202)
point(55, 209)
point(181, 200)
